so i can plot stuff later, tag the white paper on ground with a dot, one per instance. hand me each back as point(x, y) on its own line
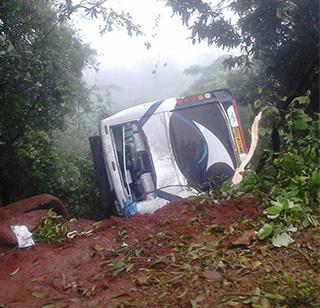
point(23, 235)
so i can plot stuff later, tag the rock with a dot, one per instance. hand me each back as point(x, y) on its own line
point(27, 212)
point(39, 202)
point(245, 239)
point(212, 276)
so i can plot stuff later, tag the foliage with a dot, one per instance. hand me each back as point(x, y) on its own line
point(81, 196)
point(216, 75)
point(213, 76)
point(289, 183)
point(39, 86)
point(44, 103)
point(281, 36)
point(51, 229)
point(248, 85)
point(100, 9)
point(75, 183)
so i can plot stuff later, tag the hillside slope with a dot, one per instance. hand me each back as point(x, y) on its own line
point(187, 254)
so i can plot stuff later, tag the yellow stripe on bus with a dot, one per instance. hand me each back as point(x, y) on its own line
point(238, 140)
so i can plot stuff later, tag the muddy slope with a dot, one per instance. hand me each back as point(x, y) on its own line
point(185, 255)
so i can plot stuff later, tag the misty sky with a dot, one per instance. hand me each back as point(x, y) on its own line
point(117, 49)
point(128, 64)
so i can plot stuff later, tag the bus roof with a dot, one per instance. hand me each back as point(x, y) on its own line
point(136, 112)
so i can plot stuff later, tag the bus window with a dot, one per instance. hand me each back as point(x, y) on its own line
point(202, 144)
point(134, 160)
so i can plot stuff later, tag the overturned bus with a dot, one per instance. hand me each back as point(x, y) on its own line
point(166, 150)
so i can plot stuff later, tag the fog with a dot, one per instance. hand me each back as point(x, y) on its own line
point(136, 73)
point(143, 83)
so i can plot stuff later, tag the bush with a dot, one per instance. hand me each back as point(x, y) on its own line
point(289, 182)
point(51, 229)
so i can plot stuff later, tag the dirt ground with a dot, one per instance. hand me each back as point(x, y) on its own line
point(187, 254)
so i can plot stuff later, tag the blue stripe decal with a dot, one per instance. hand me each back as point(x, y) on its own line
point(150, 112)
point(204, 155)
point(197, 130)
point(167, 196)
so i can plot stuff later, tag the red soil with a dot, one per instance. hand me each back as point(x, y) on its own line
point(79, 273)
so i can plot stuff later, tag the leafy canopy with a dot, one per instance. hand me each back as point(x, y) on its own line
point(44, 102)
point(41, 63)
point(282, 36)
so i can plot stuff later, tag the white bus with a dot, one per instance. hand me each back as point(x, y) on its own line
point(169, 149)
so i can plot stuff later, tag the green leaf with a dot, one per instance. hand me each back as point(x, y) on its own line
point(279, 12)
point(163, 294)
point(10, 48)
point(2, 38)
point(313, 221)
point(247, 300)
point(306, 223)
point(257, 291)
point(193, 303)
point(117, 268)
point(315, 178)
point(275, 296)
point(265, 231)
point(230, 302)
point(274, 210)
point(258, 103)
point(282, 240)
point(303, 99)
